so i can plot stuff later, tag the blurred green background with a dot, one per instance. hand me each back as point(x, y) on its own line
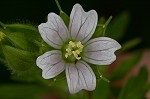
point(133, 13)
point(35, 11)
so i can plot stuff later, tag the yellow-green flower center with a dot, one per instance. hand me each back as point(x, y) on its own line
point(74, 49)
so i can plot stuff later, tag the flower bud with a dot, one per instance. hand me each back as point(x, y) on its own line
point(18, 60)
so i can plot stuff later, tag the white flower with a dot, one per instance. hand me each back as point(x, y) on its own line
point(74, 49)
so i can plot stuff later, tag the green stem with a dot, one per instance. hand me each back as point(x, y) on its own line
point(108, 21)
point(101, 76)
point(58, 5)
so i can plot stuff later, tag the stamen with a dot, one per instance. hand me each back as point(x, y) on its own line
point(74, 48)
point(76, 54)
point(72, 44)
point(66, 55)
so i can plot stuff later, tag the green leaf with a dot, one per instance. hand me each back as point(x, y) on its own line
point(31, 75)
point(136, 87)
point(101, 28)
point(17, 59)
point(65, 18)
point(125, 66)
point(102, 90)
point(99, 31)
point(118, 25)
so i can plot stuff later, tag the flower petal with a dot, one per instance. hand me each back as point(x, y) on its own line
point(87, 77)
point(48, 59)
point(100, 51)
point(80, 76)
point(82, 24)
point(72, 78)
point(54, 70)
point(51, 63)
point(54, 32)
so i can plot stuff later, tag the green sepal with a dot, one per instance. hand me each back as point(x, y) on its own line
point(44, 47)
point(101, 28)
point(18, 60)
point(62, 14)
point(99, 31)
point(65, 18)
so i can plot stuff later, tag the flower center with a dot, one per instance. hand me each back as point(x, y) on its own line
point(74, 49)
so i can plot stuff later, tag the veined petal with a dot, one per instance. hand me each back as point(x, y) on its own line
point(48, 59)
point(100, 51)
point(54, 32)
point(87, 77)
point(54, 70)
point(80, 76)
point(72, 78)
point(82, 24)
point(51, 63)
